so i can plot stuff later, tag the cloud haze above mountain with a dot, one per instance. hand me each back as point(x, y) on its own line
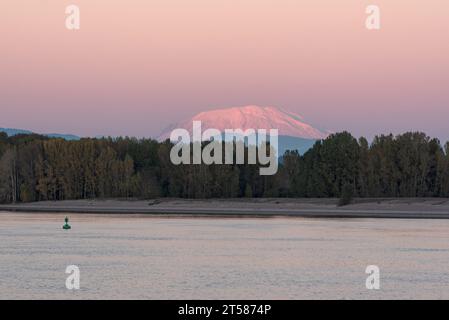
point(136, 66)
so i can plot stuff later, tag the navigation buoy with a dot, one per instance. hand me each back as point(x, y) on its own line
point(66, 226)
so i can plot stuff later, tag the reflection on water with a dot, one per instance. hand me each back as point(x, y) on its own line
point(143, 257)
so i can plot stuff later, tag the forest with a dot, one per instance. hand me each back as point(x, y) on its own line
point(38, 168)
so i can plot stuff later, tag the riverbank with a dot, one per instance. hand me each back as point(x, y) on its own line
point(412, 208)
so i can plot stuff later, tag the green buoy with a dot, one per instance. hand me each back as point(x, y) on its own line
point(66, 226)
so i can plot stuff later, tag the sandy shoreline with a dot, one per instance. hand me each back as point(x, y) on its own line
point(412, 208)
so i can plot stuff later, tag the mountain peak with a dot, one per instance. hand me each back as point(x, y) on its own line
point(251, 117)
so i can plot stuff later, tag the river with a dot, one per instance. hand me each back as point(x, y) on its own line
point(148, 257)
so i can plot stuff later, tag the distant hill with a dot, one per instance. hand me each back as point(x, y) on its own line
point(69, 137)
point(12, 132)
point(294, 143)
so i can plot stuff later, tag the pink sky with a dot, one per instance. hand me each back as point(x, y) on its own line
point(136, 66)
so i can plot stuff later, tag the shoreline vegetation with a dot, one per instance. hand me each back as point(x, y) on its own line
point(399, 208)
point(37, 172)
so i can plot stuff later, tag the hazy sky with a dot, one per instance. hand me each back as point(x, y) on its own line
point(136, 66)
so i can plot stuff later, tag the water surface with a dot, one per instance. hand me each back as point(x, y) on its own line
point(145, 257)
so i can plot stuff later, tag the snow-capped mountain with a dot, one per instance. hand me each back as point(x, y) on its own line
point(294, 133)
point(251, 117)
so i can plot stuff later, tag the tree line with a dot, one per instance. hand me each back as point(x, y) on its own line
point(37, 168)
